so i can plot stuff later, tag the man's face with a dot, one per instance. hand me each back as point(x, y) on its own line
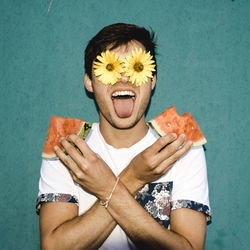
point(123, 104)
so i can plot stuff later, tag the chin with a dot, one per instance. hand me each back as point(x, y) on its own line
point(124, 123)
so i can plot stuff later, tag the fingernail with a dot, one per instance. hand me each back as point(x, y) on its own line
point(55, 148)
point(183, 136)
point(62, 138)
point(190, 143)
point(174, 135)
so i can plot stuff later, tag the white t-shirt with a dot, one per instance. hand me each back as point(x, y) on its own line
point(184, 185)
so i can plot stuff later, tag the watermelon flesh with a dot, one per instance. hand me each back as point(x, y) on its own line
point(61, 127)
point(167, 122)
point(171, 122)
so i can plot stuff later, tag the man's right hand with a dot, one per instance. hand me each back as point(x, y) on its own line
point(154, 161)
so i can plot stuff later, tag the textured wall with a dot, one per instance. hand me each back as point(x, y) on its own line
point(203, 64)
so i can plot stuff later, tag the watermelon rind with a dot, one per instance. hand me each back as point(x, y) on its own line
point(49, 156)
point(84, 130)
point(157, 129)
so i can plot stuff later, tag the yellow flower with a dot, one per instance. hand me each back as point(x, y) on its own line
point(109, 67)
point(139, 66)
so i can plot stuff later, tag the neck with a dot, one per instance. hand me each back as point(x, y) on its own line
point(123, 138)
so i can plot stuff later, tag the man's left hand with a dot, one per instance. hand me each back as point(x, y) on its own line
point(86, 167)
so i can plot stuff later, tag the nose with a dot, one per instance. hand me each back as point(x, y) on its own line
point(124, 78)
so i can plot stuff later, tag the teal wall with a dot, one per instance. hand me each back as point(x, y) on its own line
point(203, 64)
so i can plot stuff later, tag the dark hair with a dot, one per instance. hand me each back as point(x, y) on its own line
point(115, 35)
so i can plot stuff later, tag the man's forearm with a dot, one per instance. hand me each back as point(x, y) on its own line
point(91, 229)
point(140, 227)
point(87, 231)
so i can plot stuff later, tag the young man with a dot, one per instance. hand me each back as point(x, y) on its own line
point(95, 185)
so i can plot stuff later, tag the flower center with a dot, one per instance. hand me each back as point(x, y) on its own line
point(138, 67)
point(110, 67)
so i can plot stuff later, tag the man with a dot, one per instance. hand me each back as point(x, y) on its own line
point(95, 184)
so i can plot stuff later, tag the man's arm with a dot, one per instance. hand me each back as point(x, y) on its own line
point(62, 228)
point(86, 229)
point(188, 227)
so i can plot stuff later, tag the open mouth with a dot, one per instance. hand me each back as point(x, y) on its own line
point(123, 94)
point(123, 102)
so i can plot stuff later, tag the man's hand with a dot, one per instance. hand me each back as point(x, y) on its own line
point(154, 162)
point(92, 173)
point(86, 167)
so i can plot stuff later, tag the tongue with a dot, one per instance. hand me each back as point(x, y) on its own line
point(123, 107)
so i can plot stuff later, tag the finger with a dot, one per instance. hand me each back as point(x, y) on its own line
point(161, 143)
point(171, 148)
point(74, 177)
point(168, 163)
point(81, 145)
point(67, 161)
point(72, 151)
point(186, 147)
point(167, 168)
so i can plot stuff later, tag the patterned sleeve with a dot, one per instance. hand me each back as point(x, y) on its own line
point(55, 184)
point(190, 185)
point(184, 186)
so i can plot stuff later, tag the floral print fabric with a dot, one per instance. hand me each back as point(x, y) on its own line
point(156, 199)
point(193, 205)
point(54, 197)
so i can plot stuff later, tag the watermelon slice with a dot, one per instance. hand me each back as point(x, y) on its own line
point(171, 122)
point(167, 122)
point(61, 127)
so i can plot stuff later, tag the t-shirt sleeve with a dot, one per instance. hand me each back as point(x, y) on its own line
point(190, 185)
point(55, 184)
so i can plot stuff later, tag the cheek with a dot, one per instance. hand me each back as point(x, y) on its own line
point(147, 90)
point(101, 97)
point(99, 88)
point(145, 98)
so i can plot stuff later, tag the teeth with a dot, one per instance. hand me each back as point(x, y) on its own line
point(123, 93)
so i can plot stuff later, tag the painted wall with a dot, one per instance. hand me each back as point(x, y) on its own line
point(203, 62)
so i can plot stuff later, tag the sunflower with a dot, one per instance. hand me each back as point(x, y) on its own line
point(108, 67)
point(139, 66)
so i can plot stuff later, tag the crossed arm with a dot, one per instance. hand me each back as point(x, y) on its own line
point(62, 228)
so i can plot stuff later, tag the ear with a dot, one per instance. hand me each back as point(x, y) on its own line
point(88, 83)
point(153, 82)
